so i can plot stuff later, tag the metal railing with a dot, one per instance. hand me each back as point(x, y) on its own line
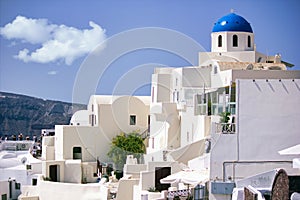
point(145, 134)
point(15, 145)
point(226, 128)
point(179, 193)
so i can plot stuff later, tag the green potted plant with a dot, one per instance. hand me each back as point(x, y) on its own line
point(224, 121)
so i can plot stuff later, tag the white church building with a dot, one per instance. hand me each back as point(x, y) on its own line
point(258, 92)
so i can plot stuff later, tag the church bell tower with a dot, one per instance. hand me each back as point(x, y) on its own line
point(232, 33)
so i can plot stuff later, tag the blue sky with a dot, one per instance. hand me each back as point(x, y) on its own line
point(42, 51)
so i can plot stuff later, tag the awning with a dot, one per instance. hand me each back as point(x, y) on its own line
point(294, 150)
point(188, 152)
point(287, 64)
point(191, 177)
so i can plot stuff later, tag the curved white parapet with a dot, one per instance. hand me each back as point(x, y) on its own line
point(80, 118)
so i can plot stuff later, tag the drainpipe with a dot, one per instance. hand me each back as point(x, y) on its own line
point(237, 127)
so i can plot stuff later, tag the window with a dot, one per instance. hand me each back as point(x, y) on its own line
point(234, 40)
point(201, 107)
point(77, 153)
point(132, 120)
point(34, 181)
point(92, 119)
point(249, 41)
point(174, 96)
point(18, 186)
point(220, 41)
point(4, 196)
point(215, 69)
point(149, 121)
point(28, 167)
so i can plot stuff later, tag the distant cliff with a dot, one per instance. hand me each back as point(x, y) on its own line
point(28, 115)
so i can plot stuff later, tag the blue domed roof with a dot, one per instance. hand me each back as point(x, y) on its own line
point(232, 22)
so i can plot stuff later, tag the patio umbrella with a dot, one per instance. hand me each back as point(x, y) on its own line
point(190, 177)
point(294, 150)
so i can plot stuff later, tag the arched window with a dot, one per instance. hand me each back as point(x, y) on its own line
point(234, 40)
point(220, 41)
point(249, 41)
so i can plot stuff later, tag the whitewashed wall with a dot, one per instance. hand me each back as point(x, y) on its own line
point(48, 190)
point(164, 127)
point(161, 87)
point(73, 171)
point(4, 188)
point(95, 141)
point(268, 117)
point(193, 127)
point(227, 41)
point(92, 141)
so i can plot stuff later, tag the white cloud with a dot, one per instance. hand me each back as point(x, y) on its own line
point(58, 42)
point(52, 72)
point(34, 31)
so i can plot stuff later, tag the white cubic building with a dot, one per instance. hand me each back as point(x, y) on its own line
point(71, 157)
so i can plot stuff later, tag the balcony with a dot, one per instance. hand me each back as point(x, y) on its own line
point(225, 128)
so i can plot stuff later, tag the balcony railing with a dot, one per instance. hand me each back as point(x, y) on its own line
point(226, 128)
point(145, 134)
point(179, 194)
point(23, 145)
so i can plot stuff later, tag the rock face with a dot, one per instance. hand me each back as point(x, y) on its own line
point(28, 115)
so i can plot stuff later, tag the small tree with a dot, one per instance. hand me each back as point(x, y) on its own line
point(123, 145)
